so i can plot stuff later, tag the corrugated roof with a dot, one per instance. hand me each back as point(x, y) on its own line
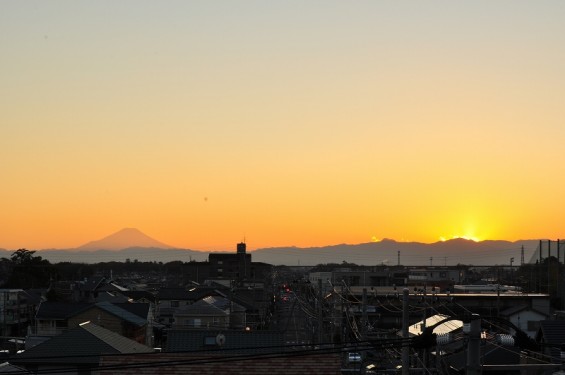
point(447, 327)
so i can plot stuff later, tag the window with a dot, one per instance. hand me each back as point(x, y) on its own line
point(533, 325)
point(220, 262)
point(174, 303)
point(209, 340)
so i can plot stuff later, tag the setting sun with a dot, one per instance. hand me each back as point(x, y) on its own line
point(202, 122)
point(471, 238)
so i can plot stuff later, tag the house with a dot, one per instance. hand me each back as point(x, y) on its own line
point(16, 311)
point(256, 301)
point(129, 320)
point(210, 312)
point(441, 277)
point(491, 354)
point(171, 299)
point(76, 351)
point(52, 318)
point(525, 318)
point(551, 335)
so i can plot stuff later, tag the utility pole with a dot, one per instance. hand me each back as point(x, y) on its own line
point(548, 266)
point(431, 260)
point(522, 256)
point(474, 347)
point(424, 318)
point(405, 346)
point(342, 324)
point(365, 316)
point(558, 279)
point(539, 265)
point(320, 317)
point(398, 255)
point(511, 271)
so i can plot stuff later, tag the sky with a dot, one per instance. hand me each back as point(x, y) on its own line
point(281, 123)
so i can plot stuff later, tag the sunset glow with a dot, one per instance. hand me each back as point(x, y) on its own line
point(470, 238)
point(288, 124)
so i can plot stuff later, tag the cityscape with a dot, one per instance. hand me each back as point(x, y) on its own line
point(231, 314)
point(282, 187)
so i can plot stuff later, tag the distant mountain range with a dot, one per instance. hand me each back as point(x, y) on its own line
point(132, 244)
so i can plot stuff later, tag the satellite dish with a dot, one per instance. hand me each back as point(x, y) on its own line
point(220, 339)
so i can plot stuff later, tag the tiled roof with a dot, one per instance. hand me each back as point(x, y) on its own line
point(200, 308)
point(139, 294)
point(11, 369)
point(60, 310)
point(66, 310)
point(121, 313)
point(80, 345)
point(139, 309)
point(182, 294)
point(223, 303)
point(171, 364)
point(120, 343)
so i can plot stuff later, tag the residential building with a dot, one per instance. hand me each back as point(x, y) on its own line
point(76, 351)
point(16, 312)
point(129, 320)
point(235, 267)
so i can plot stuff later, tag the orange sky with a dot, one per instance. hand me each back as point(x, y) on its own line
point(284, 123)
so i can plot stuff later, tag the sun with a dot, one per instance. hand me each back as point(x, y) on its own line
point(465, 237)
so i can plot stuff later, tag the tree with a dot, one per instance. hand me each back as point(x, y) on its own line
point(29, 271)
point(22, 257)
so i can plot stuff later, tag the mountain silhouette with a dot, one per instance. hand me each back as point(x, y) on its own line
point(123, 239)
point(389, 252)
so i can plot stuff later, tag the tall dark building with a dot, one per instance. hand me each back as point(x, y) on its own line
point(235, 267)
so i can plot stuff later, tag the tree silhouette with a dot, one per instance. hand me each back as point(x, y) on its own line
point(29, 271)
point(23, 257)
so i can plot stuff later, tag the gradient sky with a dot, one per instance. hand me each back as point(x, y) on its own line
point(285, 123)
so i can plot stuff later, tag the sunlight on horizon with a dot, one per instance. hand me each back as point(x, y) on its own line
point(466, 237)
